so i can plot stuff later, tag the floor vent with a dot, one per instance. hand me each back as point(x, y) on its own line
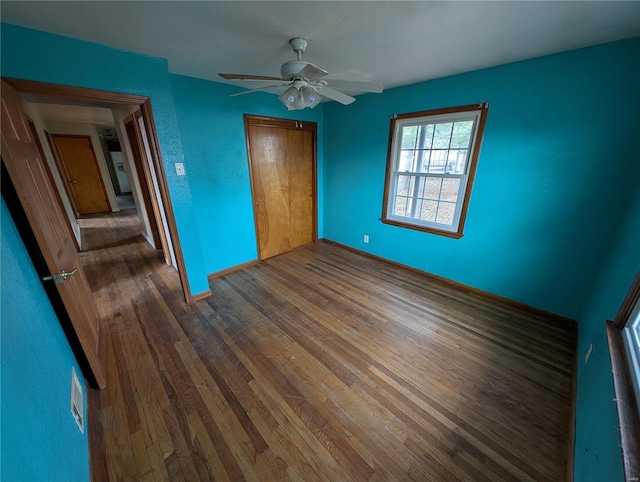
point(77, 400)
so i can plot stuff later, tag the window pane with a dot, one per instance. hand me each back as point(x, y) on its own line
point(445, 213)
point(437, 161)
point(428, 211)
point(432, 190)
point(423, 161)
point(422, 185)
point(409, 136)
point(461, 134)
point(402, 188)
point(442, 136)
point(406, 161)
point(450, 188)
point(457, 161)
point(427, 132)
point(401, 206)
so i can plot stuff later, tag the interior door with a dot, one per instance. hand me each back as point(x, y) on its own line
point(37, 195)
point(79, 168)
point(282, 157)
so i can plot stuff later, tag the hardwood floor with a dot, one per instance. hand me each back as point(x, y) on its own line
point(319, 364)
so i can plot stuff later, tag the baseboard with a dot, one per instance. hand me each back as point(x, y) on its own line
point(237, 267)
point(199, 296)
point(558, 319)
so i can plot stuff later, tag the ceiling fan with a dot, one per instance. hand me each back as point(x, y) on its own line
point(304, 83)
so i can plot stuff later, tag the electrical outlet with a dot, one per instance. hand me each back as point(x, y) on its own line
point(180, 169)
point(588, 354)
point(366, 238)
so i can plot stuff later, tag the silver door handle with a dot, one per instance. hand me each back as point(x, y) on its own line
point(59, 278)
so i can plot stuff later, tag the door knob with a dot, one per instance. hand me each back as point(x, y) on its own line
point(59, 278)
point(73, 182)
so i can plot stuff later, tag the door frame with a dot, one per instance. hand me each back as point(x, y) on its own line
point(263, 121)
point(81, 94)
point(142, 169)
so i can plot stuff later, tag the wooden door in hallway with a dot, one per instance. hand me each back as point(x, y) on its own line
point(282, 155)
point(79, 169)
point(46, 217)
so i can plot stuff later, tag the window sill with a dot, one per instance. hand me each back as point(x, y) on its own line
point(625, 400)
point(424, 229)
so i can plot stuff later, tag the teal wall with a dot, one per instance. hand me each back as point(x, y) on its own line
point(39, 437)
point(215, 151)
point(557, 167)
point(30, 54)
point(597, 455)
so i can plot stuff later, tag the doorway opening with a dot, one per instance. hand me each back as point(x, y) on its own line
point(67, 111)
point(112, 148)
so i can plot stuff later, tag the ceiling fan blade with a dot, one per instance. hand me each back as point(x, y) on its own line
point(311, 72)
point(250, 77)
point(355, 85)
point(267, 89)
point(337, 96)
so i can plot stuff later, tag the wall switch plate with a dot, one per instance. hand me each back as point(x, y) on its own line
point(180, 169)
point(588, 354)
point(366, 238)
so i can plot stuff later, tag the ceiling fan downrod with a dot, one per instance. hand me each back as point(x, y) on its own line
point(299, 46)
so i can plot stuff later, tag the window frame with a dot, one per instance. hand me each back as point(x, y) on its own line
point(631, 336)
point(626, 379)
point(477, 112)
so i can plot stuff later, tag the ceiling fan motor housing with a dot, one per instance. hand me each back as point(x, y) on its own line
point(291, 69)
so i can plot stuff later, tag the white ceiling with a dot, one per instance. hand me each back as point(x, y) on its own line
point(72, 113)
point(395, 43)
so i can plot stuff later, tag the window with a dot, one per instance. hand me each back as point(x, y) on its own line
point(623, 335)
point(631, 335)
point(430, 167)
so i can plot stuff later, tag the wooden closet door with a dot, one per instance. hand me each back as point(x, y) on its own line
point(300, 145)
point(282, 160)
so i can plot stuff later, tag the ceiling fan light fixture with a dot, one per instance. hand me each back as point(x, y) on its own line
point(311, 97)
point(290, 97)
point(298, 97)
point(300, 103)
